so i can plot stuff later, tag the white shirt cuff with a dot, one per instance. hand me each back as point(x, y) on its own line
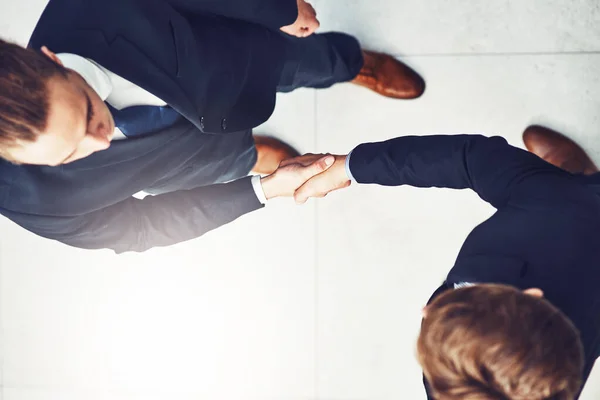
point(258, 189)
point(348, 172)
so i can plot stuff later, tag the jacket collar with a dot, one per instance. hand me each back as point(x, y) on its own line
point(126, 60)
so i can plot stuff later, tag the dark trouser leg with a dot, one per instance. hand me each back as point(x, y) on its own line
point(592, 181)
point(320, 61)
point(219, 158)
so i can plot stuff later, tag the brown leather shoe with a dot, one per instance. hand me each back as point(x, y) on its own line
point(271, 152)
point(558, 150)
point(389, 77)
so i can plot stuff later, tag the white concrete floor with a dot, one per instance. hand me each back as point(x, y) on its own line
point(318, 302)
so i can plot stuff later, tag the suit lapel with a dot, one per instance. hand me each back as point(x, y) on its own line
point(123, 58)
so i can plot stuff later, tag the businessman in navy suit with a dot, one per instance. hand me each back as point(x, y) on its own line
point(488, 332)
point(118, 96)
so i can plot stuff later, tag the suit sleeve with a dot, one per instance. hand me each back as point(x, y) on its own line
point(499, 173)
point(270, 13)
point(138, 225)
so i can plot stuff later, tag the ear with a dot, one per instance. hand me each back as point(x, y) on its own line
point(425, 311)
point(535, 292)
point(51, 55)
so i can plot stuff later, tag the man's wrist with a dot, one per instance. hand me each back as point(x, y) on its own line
point(258, 189)
point(268, 187)
point(341, 166)
point(347, 168)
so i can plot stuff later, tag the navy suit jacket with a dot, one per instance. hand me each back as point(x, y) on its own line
point(545, 232)
point(216, 62)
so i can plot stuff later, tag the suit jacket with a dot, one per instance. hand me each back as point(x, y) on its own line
point(544, 233)
point(216, 62)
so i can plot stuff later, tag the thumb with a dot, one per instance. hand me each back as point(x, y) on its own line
point(312, 178)
point(319, 166)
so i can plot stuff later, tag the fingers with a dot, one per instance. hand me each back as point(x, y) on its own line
point(311, 28)
point(295, 160)
point(311, 12)
point(318, 166)
point(302, 29)
point(304, 160)
point(318, 186)
point(311, 24)
point(306, 23)
point(315, 168)
point(314, 187)
point(314, 23)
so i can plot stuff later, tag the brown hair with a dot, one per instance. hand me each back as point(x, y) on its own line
point(494, 342)
point(23, 94)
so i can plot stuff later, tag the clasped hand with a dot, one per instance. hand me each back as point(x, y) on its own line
point(306, 23)
point(310, 175)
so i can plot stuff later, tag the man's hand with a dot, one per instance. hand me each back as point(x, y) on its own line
point(320, 185)
point(294, 172)
point(306, 23)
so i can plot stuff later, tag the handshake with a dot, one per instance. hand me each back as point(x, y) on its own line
point(310, 175)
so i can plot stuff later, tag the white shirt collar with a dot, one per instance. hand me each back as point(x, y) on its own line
point(93, 75)
point(463, 284)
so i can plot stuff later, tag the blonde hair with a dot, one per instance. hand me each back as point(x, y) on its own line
point(494, 342)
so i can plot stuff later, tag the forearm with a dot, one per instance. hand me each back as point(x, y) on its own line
point(425, 161)
point(489, 166)
point(270, 186)
point(163, 220)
